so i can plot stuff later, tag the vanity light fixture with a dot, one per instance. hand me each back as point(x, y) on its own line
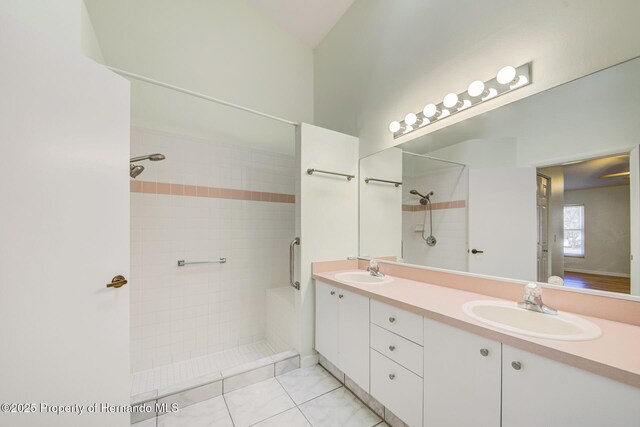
point(506, 80)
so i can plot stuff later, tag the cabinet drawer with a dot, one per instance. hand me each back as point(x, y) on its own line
point(398, 349)
point(401, 322)
point(397, 388)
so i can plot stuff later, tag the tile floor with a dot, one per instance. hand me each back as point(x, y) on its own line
point(164, 376)
point(306, 397)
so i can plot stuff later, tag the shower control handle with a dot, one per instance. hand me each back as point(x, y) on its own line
point(475, 251)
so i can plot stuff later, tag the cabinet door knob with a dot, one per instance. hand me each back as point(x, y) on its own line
point(392, 347)
point(333, 292)
point(392, 319)
point(484, 352)
point(340, 296)
point(392, 376)
point(516, 365)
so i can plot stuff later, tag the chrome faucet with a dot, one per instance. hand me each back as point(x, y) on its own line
point(373, 269)
point(533, 300)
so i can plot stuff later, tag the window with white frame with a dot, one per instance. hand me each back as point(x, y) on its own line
point(574, 230)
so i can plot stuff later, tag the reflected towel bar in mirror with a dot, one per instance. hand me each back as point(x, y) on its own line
point(346, 175)
point(396, 183)
point(182, 263)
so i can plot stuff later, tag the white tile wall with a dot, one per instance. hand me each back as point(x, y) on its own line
point(179, 313)
point(281, 326)
point(450, 226)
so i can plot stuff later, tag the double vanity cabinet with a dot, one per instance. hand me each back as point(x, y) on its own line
point(429, 373)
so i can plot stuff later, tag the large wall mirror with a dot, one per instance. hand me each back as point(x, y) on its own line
point(544, 189)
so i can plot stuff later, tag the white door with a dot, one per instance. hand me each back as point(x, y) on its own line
point(542, 392)
point(634, 188)
point(353, 337)
point(502, 222)
point(327, 321)
point(64, 232)
point(461, 377)
point(542, 250)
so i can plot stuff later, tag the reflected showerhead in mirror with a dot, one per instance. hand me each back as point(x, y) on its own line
point(423, 199)
point(135, 170)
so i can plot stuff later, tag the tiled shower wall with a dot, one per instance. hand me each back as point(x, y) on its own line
point(451, 190)
point(224, 201)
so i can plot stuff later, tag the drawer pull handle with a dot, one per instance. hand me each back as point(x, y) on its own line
point(392, 319)
point(484, 352)
point(516, 365)
point(392, 376)
point(392, 347)
point(333, 292)
point(340, 296)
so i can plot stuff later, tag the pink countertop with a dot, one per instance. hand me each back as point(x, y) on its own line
point(615, 354)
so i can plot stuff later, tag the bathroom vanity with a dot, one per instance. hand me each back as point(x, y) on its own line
point(411, 346)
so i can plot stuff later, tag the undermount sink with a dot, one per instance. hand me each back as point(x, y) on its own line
point(362, 278)
point(508, 316)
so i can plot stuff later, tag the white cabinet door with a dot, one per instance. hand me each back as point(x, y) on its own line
point(353, 337)
point(64, 227)
point(461, 381)
point(543, 392)
point(327, 321)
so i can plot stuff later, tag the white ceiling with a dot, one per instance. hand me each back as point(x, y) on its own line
point(587, 174)
point(308, 20)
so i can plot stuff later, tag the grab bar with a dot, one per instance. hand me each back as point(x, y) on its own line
point(294, 242)
point(396, 183)
point(346, 175)
point(182, 263)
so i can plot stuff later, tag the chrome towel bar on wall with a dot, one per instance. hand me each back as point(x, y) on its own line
point(182, 263)
point(294, 242)
point(396, 183)
point(346, 175)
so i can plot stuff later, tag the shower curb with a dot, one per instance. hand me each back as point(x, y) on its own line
point(158, 402)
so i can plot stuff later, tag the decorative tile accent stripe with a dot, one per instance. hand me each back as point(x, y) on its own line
point(214, 192)
point(454, 204)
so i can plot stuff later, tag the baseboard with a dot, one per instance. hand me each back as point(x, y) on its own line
point(599, 273)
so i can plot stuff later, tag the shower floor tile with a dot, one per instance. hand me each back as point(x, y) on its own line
point(184, 371)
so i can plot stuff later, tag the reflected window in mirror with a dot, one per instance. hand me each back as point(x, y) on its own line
point(574, 230)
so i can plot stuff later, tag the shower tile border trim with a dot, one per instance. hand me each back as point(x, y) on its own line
point(153, 187)
point(453, 204)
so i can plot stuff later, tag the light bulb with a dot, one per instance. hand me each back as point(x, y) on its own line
point(450, 100)
point(475, 88)
point(506, 75)
point(394, 126)
point(430, 110)
point(410, 119)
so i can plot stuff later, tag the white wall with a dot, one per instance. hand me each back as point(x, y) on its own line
point(223, 48)
point(607, 233)
point(384, 58)
point(380, 211)
point(326, 212)
point(180, 313)
point(65, 22)
point(449, 225)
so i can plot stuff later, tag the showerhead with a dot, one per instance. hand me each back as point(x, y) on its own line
point(424, 200)
point(135, 170)
point(153, 157)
